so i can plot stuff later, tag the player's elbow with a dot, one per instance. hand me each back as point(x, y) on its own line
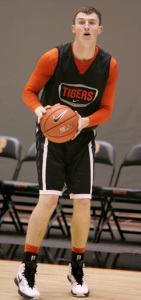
point(107, 113)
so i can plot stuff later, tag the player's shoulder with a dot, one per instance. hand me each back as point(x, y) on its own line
point(49, 58)
point(113, 64)
point(113, 61)
point(50, 54)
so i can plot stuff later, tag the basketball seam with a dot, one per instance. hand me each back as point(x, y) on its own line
point(60, 137)
point(59, 124)
point(61, 108)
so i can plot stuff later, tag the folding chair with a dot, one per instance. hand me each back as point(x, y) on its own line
point(131, 159)
point(29, 190)
point(125, 202)
point(10, 149)
point(105, 154)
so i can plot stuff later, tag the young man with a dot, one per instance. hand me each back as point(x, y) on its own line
point(82, 76)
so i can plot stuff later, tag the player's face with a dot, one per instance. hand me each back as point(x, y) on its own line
point(86, 27)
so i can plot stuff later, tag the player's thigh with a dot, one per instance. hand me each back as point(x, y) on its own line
point(50, 167)
point(80, 172)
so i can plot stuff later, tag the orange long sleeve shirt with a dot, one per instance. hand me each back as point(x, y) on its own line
point(44, 71)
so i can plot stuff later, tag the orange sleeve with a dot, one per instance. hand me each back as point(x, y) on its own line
point(40, 76)
point(106, 107)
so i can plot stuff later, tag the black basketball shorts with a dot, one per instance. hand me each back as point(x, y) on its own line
point(71, 163)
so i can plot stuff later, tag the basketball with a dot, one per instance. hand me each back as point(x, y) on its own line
point(59, 124)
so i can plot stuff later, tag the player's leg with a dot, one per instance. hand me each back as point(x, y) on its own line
point(79, 234)
point(82, 190)
point(80, 223)
point(51, 180)
point(25, 279)
point(39, 219)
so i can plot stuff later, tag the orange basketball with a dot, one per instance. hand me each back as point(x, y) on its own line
point(59, 124)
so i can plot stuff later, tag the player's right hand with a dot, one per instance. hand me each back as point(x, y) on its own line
point(40, 110)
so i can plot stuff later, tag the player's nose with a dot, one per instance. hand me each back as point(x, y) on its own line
point(86, 25)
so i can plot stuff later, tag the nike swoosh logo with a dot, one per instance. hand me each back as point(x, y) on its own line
point(59, 117)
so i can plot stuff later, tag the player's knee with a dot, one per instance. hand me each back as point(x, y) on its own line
point(49, 202)
point(83, 205)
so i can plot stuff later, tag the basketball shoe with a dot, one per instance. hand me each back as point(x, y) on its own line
point(25, 280)
point(77, 278)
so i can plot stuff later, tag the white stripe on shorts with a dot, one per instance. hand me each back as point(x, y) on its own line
point(45, 152)
point(50, 192)
point(90, 145)
point(80, 196)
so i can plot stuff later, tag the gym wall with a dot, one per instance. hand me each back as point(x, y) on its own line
point(29, 28)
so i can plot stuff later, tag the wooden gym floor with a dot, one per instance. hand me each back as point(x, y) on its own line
point(52, 282)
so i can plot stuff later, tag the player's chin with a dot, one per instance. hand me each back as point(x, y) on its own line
point(87, 39)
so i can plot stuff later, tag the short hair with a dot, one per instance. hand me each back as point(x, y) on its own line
point(88, 10)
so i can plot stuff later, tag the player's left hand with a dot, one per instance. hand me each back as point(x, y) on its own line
point(82, 123)
point(40, 111)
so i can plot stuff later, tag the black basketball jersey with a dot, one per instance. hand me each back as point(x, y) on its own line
point(81, 92)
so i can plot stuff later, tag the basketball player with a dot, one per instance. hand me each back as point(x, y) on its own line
point(82, 76)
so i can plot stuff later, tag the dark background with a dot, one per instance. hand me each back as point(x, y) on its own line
point(29, 28)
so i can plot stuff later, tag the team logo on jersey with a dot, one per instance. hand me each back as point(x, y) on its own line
point(3, 143)
point(78, 95)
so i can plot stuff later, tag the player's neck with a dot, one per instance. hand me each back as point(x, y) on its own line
point(83, 52)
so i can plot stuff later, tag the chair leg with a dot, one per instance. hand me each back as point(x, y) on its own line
point(96, 229)
point(118, 227)
point(13, 219)
point(9, 208)
point(18, 220)
point(48, 255)
point(6, 209)
point(65, 222)
point(110, 230)
point(104, 219)
point(55, 216)
point(60, 224)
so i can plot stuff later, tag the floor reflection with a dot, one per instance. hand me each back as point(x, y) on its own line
point(95, 259)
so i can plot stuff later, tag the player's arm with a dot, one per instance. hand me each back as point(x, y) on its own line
point(104, 112)
point(40, 76)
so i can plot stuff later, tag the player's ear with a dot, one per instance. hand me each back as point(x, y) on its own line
point(73, 28)
point(100, 29)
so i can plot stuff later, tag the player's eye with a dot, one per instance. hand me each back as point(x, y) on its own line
point(92, 23)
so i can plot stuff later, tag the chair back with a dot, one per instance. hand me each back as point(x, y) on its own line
point(30, 155)
point(132, 158)
point(28, 171)
point(10, 148)
point(105, 154)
